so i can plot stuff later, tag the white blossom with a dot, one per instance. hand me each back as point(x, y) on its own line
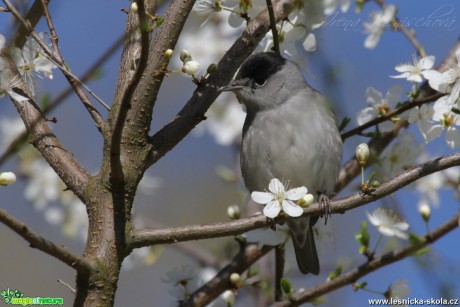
point(388, 224)
point(182, 281)
point(379, 105)
point(331, 5)
point(44, 184)
point(379, 22)
point(399, 289)
point(7, 84)
point(422, 116)
point(225, 121)
point(278, 198)
point(31, 59)
point(191, 67)
point(10, 129)
point(415, 72)
point(401, 155)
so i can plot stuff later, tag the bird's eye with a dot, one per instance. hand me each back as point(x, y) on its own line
point(260, 82)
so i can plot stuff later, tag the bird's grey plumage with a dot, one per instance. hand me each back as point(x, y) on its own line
point(290, 133)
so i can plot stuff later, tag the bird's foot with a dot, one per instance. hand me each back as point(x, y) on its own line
point(325, 205)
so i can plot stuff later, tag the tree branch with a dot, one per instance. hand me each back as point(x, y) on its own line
point(212, 289)
point(406, 106)
point(147, 237)
point(46, 246)
point(57, 59)
point(193, 112)
point(371, 266)
point(409, 33)
point(20, 139)
point(116, 173)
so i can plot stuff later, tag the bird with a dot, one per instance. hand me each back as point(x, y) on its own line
point(290, 132)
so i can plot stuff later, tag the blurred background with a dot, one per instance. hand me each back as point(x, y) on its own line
point(186, 186)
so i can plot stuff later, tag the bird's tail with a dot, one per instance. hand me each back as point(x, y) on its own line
point(304, 245)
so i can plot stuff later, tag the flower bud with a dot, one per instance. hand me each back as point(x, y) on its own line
point(134, 7)
point(362, 153)
point(211, 68)
point(7, 178)
point(229, 297)
point(425, 211)
point(185, 56)
point(168, 53)
point(306, 201)
point(233, 212)
point(235, 278)
point(191, 67)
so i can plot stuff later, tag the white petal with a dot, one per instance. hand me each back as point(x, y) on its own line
point(366, 115)
point(296, 193)
point(388, 13)
point(404, 68)
point(453, 97)
point(372, 40)
point(262, 197)
point(373, 96)
point(452, 137)
point(400, 234)
point(403, 226)
point(431, 133)
point(434, 79)
point(16, 96)
point(272, 209)
point(393, 94)
point(276, 186)
point(415, 78)
point(426, 62)
point(414, 115)
point(404, 75)
point(309, 43)
point(440, 107)
point(292, 209)
point(373, 219)
point(449, 76)
point(389, 232)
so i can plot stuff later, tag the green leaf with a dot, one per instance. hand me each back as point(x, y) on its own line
point(416, 240)
point(363, 238)
point(286, 286)
point(160, 20)
point(360, 285)
point(345, 121)
point(336, 273)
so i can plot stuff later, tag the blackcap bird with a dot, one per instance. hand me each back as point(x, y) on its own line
point(290, 133)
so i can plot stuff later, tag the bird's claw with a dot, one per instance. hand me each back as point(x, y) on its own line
point(325, 205)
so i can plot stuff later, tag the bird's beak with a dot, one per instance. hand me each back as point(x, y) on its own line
point(234, 85)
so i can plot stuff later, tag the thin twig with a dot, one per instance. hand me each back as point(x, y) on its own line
point(271, 14)
point(20, 139)
point(405, 106)
point(409, 33)
point(46, 246)
point(33, 16)
point(193, 112)
point(279, 271)
point(213, 288)
point(52, 56)
point(67, 285)
point(147, 237)
point(371, 266)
